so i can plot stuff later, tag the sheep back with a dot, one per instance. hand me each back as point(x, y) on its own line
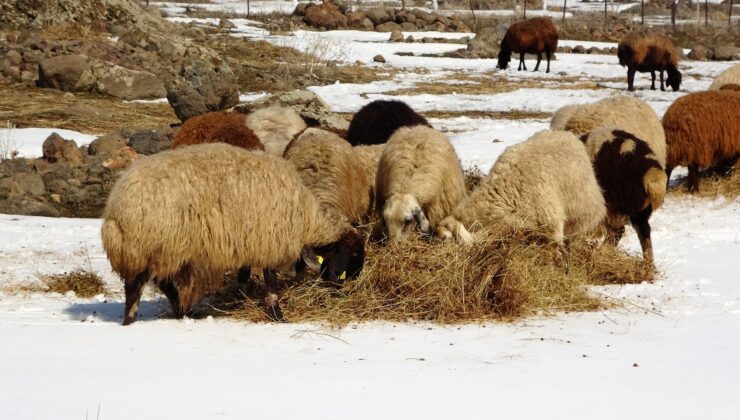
point(703, 127)
point(275, 126)
point(644, 49)
point(212, 127)
point(532, 36)
point(561, 117)
point(730, 76)
point(375, 122)
point(330, 168)
point(369, 155)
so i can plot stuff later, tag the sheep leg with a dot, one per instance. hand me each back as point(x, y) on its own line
point(662, 85)
point(641, 225)
point(539, 59)
point(564, 249)
point(271, 298)
point(133, 288)
point(242, 278)
point(173, 296)
point(693, 181)
point(668, 171)
point(521, 61)
point(547, 55)
point(652, 84)
point(631, 79)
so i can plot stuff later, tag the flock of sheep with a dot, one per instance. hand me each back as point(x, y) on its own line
point(266, 191)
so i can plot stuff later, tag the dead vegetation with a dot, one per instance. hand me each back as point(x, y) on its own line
point(514, 114)
point(84, 283)
point(712, 184)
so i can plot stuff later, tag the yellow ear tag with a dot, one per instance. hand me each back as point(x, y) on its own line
point(343, 276)
point(320, 259)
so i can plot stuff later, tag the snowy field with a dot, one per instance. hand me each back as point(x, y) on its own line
point(668, 350)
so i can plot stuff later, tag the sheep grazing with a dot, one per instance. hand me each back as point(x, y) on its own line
point(702, 129)
point(212, 127)
point(375, 122)
point(532, 36)
point(649, 53)
point(183, 217)
point(419, 180)
point(545, 184)
point(275, 126)
point(624, 113)
point(633, 182)
point(561, 116)
point(331, 169)
point(730, 76)
point(369, 156)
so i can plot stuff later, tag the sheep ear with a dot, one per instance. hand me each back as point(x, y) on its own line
point(422, 221)
point(312, 260)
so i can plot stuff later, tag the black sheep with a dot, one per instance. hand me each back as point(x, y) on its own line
point(375, 122)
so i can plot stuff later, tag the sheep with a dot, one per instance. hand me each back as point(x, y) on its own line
point(211, 127)
point(625, 113)
point(545, 184)
point(369, 156)
point(731, 76)
point(182, 217)
point(561, 117)
point(531, 36)
point(419, 179)
point(375, 122)
point(702, 129)
point(331, 169)
point(632, 180)
point(731, 86)
point(643, 52)
point(275, 126)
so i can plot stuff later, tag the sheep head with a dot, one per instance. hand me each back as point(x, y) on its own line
point(401, 213)
point(674, 79)
point(343, 259)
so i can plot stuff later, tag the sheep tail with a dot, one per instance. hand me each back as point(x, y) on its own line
point(113, 243)
point(654, 181)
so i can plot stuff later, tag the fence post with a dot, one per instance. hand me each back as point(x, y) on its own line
point(565, 6)
point(706, 12)
point(674, 9)
point(642, 12)
point(605, 4)
point(525, 9)
point(729, 18)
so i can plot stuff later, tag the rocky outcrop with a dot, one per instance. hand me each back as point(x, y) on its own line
point(202, 86)
point(325, 16)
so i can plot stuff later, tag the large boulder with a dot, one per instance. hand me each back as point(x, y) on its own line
point(726, 53)
point(214, 81)
point(184, 99)
point(306, 103)
point(326, 16)
point(126, 84)
point(149, 141)
point(485, 44)
point(355, 19)
point(24, 183)
point(388, 27)
point(70, 73)
point(378, 15)
point(57, 149)
point(699, 53)
point(106, 145)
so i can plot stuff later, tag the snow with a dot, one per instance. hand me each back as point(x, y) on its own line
point(28, 141)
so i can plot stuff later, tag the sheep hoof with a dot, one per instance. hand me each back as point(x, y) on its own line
point(275, 313)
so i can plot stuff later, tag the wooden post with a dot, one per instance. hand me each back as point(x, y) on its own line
point(247, 8)
point(674, 9)
point(729, 18)
point(706, 13)
point(565, 6)
point(605, 4)
point(642, 12)
point(525, 9)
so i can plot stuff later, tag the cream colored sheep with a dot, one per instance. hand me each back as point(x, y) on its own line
point(624, 113)
point(730, 76)
point(419, 179)
point(369, 155)
point(182, 217)
point(561, 117)
point(331, 169)
point(544, 184)
point(275, 126)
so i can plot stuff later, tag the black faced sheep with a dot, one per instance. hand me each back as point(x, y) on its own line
point(375, 122)
point(701, 130)
point(225, 127)
point(544, 184)
point(633, 182)
point(419, 181)
point(649, 53)
point(183, 217)
point(532, 36)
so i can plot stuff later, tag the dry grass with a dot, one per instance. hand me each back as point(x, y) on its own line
point(502, 277)
point(514, 114)
point(87, 113)
point(492, 85)
point(712, 185)
point(72, 32)
point(83, 283)
point(473, 177)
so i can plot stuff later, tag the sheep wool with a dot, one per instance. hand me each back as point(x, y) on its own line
point(212, 127)
point(561, 117)
point(375, 122)
point(532, 36)
point(730, 76)
point(544, 184)
point(275, 126)
point(419, 178)
point(646, 52)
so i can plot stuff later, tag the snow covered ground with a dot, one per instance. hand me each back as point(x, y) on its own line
point(669, 350)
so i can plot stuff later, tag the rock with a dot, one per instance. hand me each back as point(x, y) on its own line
point(426, 17)
point(149, 142)
point(300, 9)
point(726, 53)
point(57, 149)
point(184, 99)
point(367, 25)
point(28, 78)
point(10, 167)
point(126, 84)
point(10, 71)
point(379, 59)
point(388, 27)
point(122, 158)
point(579, 49)
point(410, 38)
point(23, 205)
point(14, 57)
point(106, 145)
point(326, 16)
point(26, 183)
point(408, 27)
point(378, 15)
point(396, 36)
point(82, 111)
point(485, 44)
point(117, 30)
point(226, 24)
point(593, 50)
point(355, 19)
point(70, 73)
point(306, 103)
point(335, 122)
point(214, 81)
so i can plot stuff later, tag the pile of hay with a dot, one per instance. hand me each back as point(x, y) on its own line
point(83, 283)
point(714, 183)
point(498, 278)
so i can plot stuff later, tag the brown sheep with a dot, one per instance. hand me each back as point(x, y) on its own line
point(702, 129)
point(532, 36)
point(647, 53)
point(221, 127)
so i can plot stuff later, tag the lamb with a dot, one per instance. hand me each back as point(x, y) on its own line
point(730, 76)
point(275, 126)
point(624, 113)
point(211, 127)
point(419, 179)
point(545, 184)
point(561, 117)
point(331, 169)
point(532, 36)
point(182, 217)
point(702, 129)
point(633, 182)
point(644, 52)
point(375, 122)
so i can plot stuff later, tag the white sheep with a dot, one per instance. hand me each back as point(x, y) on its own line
point(419, 179)
point(369, 155)
point(275, 126)
point(561, 117)
point(544, 184)
point(183, 217)
point(730, 76)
